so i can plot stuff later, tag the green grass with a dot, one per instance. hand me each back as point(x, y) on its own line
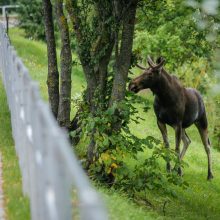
point(33, 54)
point(16, 206)
point(120, 207)
point(200, 201)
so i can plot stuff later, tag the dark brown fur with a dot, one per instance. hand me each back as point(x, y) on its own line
point(174, 105)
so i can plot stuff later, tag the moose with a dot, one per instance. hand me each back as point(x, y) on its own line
point(174, 105)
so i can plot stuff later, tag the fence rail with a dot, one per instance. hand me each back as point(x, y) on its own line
point(50, 170)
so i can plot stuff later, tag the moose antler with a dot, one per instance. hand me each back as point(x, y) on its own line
point(153, 65)
point(150, 62)
point(139, 66)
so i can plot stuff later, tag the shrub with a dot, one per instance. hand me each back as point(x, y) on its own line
point(115, 147)
point(197, 74)
point(176, 49)
point(8, 2)
point(31, 19)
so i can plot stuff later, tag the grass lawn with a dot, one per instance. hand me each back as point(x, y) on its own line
point(34, 56)
point(17, 207)
point(199, 201)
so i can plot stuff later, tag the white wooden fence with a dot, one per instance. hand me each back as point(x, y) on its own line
point(51, 173)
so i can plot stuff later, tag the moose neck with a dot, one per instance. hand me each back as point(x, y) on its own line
point(164, 89)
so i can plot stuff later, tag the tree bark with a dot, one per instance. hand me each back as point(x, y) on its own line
point(94, 58)
point(65, 67)
point(53, 74)
point(95, 53)
point(105, 39)
point(83, 51)
point(95, 72)
point(123, 60)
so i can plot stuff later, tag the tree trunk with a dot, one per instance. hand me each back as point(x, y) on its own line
point(53, 74)
point(65, 67)
point(99, 49)
point(95, 53)
point(123, 60)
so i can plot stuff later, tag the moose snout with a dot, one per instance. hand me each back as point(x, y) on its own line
point(133, 87)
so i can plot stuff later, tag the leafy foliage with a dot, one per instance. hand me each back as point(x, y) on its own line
point(197, 74)
point(177, 48)
point(31, 19)
point(113, 146)
point(150, 175)
point(209, 21)
point(201, 199)
point(8, 2)
point(170, 28)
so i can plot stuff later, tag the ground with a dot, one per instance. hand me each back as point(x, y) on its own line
point(199, 201)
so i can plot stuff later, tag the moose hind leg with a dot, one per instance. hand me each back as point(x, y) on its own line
point(163, 131)
point(186, 143)
point(205, 140)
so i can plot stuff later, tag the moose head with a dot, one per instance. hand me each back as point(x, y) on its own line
point(149, 77)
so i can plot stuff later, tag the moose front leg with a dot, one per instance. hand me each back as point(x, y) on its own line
point(163, 131)
point(178, 135)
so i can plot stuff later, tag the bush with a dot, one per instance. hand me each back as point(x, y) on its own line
point(114, 148)
point(176, 49)
point(31, 19)
point(8, 2)
point(197, 74)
